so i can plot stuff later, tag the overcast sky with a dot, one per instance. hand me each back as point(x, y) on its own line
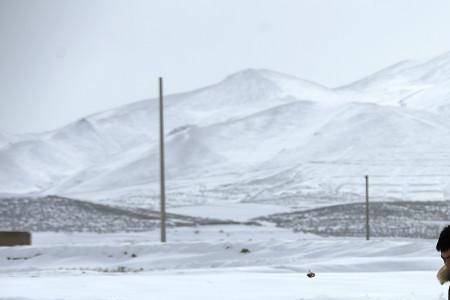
point(61, 60)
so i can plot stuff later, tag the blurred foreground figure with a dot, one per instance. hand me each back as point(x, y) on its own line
point(443, 245)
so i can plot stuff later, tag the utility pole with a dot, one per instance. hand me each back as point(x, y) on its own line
point(161, 155)
point(367, 208)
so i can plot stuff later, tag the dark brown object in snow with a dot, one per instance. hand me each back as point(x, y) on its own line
point(14, 238)
point(311, 274)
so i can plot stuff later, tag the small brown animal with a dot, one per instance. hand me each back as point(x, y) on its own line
point(311, 274)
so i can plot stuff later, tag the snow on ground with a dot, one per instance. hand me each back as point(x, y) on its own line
point(207, 263)
point(229, 285)
point(232, 211)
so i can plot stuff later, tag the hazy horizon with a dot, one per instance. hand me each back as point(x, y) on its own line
point(62, 60)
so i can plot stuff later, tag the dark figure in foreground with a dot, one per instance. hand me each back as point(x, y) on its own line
point(443, 245)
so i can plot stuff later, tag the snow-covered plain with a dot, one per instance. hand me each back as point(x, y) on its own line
point(207, 263)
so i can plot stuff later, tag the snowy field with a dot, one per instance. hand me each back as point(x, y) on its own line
point(207, 263)
point(230, 211)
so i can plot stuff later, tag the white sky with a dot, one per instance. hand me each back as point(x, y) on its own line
point(61, 60)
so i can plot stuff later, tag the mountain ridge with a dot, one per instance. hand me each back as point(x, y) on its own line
point(253, 123)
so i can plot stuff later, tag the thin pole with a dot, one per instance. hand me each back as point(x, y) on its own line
point(367, 209)
point(161, 155)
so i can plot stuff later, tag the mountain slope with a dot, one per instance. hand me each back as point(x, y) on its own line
point(43, 162)
point(288, 149)
point(257, 136)
point(419, 85)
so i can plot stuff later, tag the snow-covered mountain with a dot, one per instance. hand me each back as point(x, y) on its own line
point(257, 136)
point(422, 85)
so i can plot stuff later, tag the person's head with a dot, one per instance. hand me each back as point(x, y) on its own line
point(443, 245)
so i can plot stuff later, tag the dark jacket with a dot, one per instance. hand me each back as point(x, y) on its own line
point(444, 276)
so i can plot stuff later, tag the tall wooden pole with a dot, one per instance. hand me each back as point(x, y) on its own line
point(367, 209)
point(161, 153)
